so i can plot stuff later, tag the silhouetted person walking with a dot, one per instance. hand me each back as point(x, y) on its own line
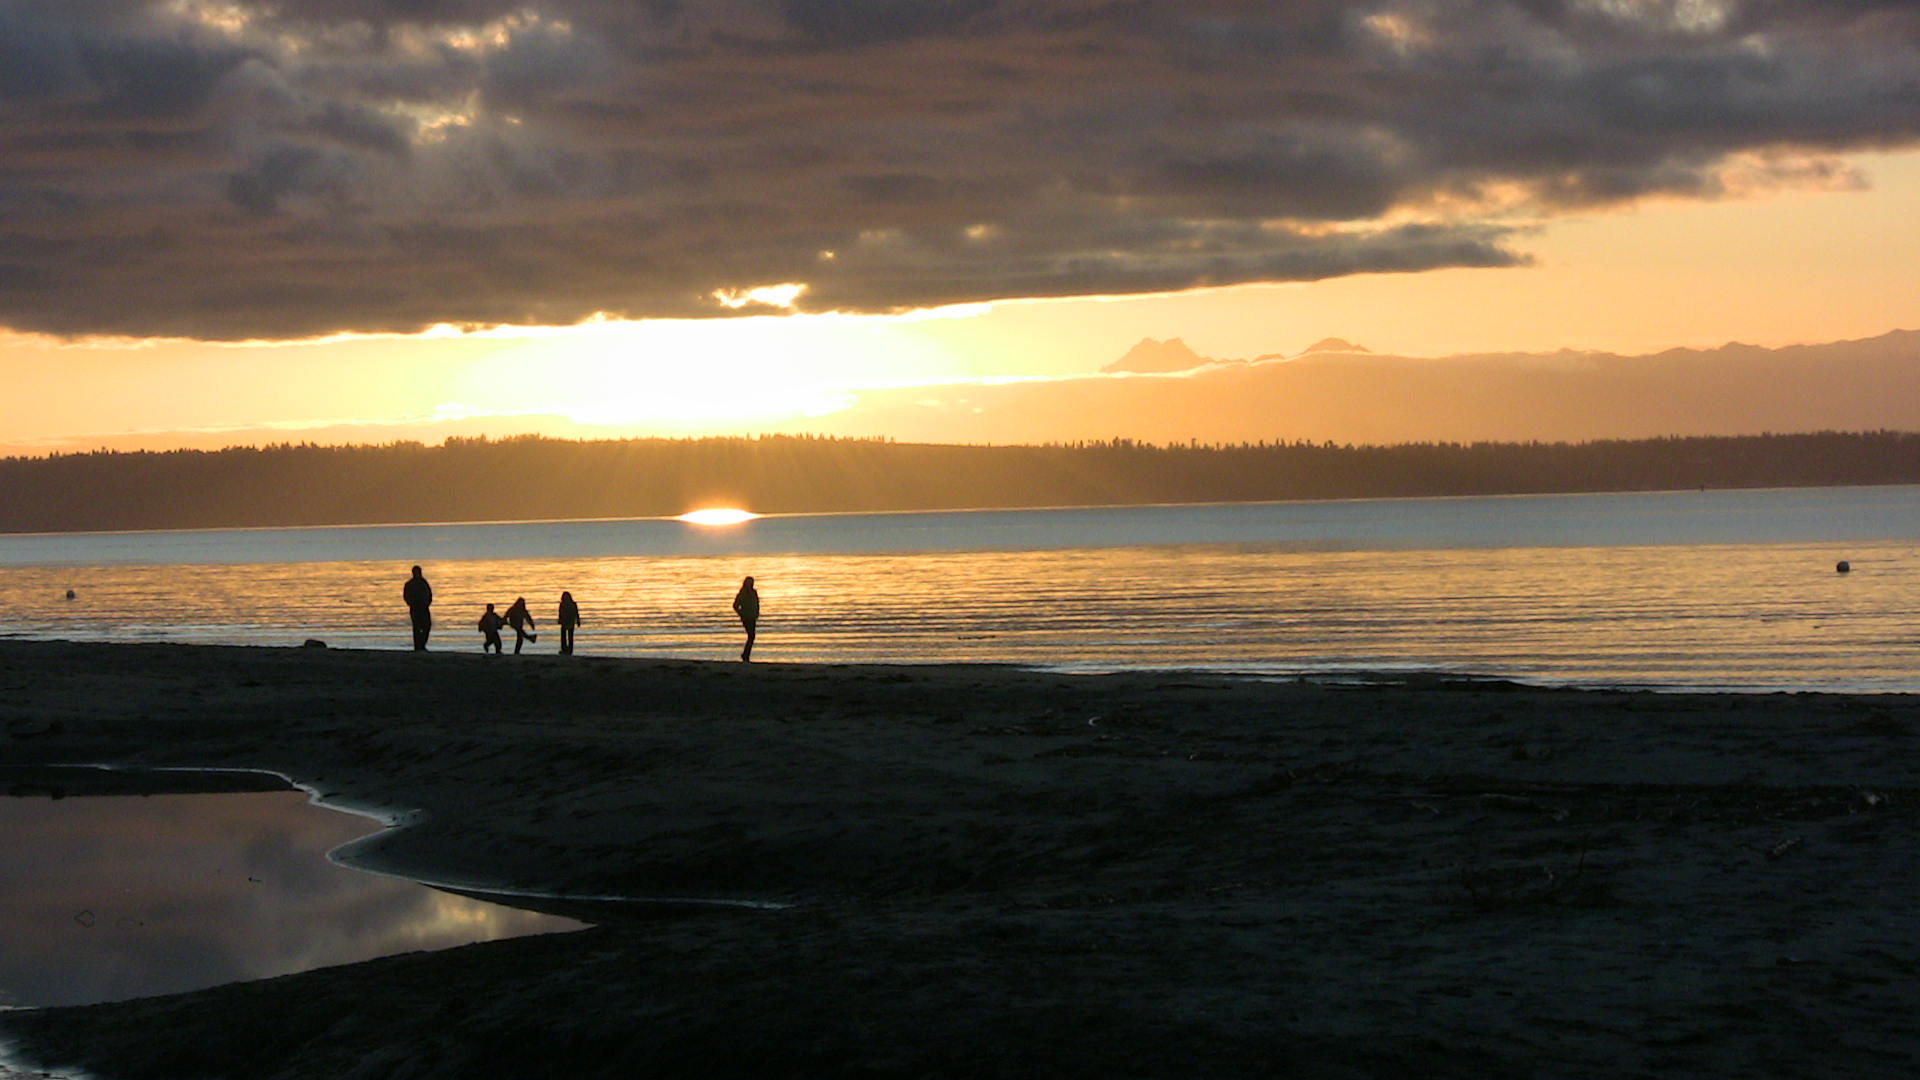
point(746, 604)
point(569, 618)
point(490, 624)
point(521, 620)
point(419, 597)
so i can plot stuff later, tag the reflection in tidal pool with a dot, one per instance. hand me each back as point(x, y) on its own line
point(111, 897)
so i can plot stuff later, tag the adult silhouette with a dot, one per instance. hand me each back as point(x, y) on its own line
point(746, 604)
point(521, 620)
point(490, 624)
point(569, 618)
point(419, 597)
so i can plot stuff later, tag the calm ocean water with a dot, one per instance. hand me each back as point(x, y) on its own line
point(1714, 589)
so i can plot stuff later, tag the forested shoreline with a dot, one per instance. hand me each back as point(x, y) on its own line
point(531, 477)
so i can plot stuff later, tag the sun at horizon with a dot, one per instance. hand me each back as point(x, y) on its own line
point(717, 515)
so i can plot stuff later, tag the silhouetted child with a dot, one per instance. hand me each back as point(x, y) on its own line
point(522, 622)
point(746, 604)
point(569, 618)
point(490, 624)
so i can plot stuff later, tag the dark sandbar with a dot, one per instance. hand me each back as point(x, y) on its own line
point(1003, 873)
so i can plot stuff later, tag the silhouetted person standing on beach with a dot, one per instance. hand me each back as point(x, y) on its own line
point(419, 597)
point(746, 604)
point(569, 618)
point(521, 620)
point(490, 624)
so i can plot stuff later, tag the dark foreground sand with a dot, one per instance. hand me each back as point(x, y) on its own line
point(1004, 874)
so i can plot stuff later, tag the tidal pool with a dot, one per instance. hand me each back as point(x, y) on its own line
point(107, 897)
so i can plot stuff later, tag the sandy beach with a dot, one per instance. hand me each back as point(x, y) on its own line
point(996, 873)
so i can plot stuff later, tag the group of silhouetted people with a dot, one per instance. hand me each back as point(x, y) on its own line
point(419, 598)
point(521, 620)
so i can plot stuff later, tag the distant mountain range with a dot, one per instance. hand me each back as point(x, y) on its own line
point(1335, 390)
point(1164, 357)
point(1165, 392)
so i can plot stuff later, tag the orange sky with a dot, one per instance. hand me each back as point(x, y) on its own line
point(1785, 268)
point(1642, 175)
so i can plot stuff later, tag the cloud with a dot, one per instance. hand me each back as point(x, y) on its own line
point(232, 169)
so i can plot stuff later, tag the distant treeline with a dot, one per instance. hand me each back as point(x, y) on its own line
point(534, 477)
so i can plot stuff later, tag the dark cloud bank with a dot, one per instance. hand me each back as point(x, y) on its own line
point(237, 168)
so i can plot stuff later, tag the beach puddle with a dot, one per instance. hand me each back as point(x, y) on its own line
point(109, 897)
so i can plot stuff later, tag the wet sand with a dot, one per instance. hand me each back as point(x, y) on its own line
point(995, 873)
